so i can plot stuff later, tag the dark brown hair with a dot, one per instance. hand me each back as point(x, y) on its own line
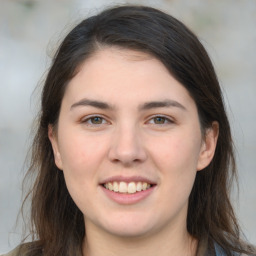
point(57, 223)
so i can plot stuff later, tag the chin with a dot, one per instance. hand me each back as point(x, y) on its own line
point(129, 227)
point(129, 232)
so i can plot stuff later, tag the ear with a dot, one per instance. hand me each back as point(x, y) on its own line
point(53, 139)
point(208, 146)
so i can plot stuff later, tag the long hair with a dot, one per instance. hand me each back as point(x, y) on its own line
point(57, 225)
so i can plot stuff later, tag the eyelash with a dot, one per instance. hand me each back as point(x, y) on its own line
point(88, 120)
point(166, 119)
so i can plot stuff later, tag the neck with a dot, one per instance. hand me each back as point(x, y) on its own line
point(171, 243)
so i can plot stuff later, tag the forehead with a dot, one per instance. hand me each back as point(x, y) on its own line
point(118, 74)
point(125, 53)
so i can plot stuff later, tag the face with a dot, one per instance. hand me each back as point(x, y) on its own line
point(129, 143)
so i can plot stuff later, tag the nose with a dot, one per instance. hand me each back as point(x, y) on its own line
point(127, 147)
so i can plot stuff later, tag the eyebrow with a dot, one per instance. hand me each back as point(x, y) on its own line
point(145, 106)
point(92, 103)
point(161, 104)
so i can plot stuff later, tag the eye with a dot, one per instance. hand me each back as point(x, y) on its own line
point(160, 120)
point(94, 120)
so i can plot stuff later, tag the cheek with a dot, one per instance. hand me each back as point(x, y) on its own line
point(176, 152)
point(80, 150)
point(177, 164)
point(176, 159)
point(81, 158)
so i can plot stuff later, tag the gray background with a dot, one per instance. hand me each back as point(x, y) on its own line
point(29, 33)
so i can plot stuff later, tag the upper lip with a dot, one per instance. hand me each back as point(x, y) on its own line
point(127, 179)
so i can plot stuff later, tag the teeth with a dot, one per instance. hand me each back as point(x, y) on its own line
point(122, 187)
point(110, 186)
point(115, 186)
point(130, 188)
point(139, 186)
point(144, 185)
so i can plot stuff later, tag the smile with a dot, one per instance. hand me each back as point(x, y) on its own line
point(128, 190)
point(127, 187)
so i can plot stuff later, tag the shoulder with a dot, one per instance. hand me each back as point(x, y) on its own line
point(14, 252)
point(220, 252)
point(23, 250)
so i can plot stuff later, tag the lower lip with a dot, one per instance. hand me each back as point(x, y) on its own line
point(125, 198)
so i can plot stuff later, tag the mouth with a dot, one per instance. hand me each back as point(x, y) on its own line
point(124, 187)
point(128, 190)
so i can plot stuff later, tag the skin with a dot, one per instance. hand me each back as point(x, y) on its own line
point(128, 140)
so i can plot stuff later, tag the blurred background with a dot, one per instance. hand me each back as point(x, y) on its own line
point(30, 31)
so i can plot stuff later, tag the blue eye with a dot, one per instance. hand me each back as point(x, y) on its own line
point(160, 120)
point(94, 120)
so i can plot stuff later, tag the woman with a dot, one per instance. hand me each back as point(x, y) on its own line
point(133, 152)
